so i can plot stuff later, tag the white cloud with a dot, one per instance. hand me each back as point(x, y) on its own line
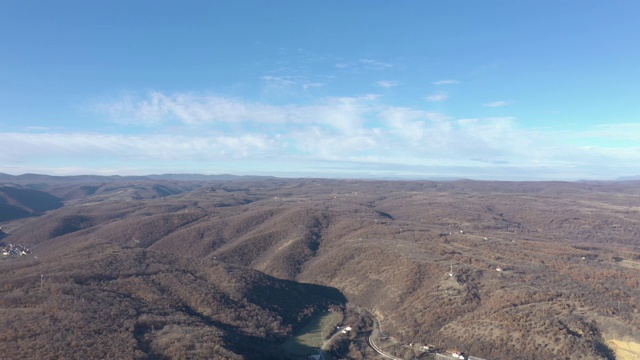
point(387, 83)
point(445, 82)
point(362, 131)
point(498, 103)
point(312, 85)
point(320, 144)
point(27, 146)
point(618, 132)
point(374, 64)
point(361, 65)
point(409, 124)
point(403, 138)
point(290, 81)
point(279, 80)
point(341, 113)
point(438, 96)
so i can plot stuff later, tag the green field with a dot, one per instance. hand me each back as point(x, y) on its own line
point(312, 336)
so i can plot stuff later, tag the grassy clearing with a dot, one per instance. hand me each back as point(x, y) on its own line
point(312, 336)
point(630, 264)
point(625, 350)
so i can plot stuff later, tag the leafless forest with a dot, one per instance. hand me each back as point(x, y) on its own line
point(180, 268)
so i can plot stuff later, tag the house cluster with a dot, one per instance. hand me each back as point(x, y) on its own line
point(346, 329)
point(459, 355)
point(15, 250)
point(342, 329)
point(429, 348)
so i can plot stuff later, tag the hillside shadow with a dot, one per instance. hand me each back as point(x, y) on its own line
point(290, 299)
point(235, 339)
point(606, 351)
point(298, 304)
point(17, 203)
point(251, 347)
point(385, 215)
point(37, 201)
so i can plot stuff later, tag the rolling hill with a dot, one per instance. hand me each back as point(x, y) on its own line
point(16, 203)
point(502, 270)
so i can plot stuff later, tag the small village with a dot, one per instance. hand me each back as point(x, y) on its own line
point(11, 250)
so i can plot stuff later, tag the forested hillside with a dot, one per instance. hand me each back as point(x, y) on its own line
point(501, 270)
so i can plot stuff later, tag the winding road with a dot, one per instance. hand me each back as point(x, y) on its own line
point(387, 356)
point(378, 350)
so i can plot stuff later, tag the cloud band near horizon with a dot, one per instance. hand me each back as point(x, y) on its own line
point(363, 130)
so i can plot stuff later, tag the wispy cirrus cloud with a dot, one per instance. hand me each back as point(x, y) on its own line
point(438, 96)
point(158, 107)
point(309, 85)
point(279, 80)
point(445, 82)
point(412, 125)
point(148, 146)
point(499, 103)
point(375, 64)
point(209, 130)
point(340, 113)
point(629, 131)
point(362, 65)
point(387, 83)
point(403, 137)
point(288, 81)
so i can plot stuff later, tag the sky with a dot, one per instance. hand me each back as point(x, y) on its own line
point(501, 90)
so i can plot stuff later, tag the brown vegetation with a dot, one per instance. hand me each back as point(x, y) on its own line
point(103, 302)
point(570, 254)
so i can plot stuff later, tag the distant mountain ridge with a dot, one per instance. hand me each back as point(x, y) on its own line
point(628, 178)
point(75, 178)
point(202, 177)
point(27, 178)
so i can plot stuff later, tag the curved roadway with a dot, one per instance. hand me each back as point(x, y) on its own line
point(387, 356)
point(378, 350)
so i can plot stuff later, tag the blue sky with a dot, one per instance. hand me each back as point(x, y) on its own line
point(506, 90)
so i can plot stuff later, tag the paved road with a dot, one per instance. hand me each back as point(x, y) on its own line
point(387, 356)
point(378, 350)
point(373, 345)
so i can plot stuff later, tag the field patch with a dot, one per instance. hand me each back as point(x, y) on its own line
point(312, 336)
point(630, 264)
point(625, 350)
